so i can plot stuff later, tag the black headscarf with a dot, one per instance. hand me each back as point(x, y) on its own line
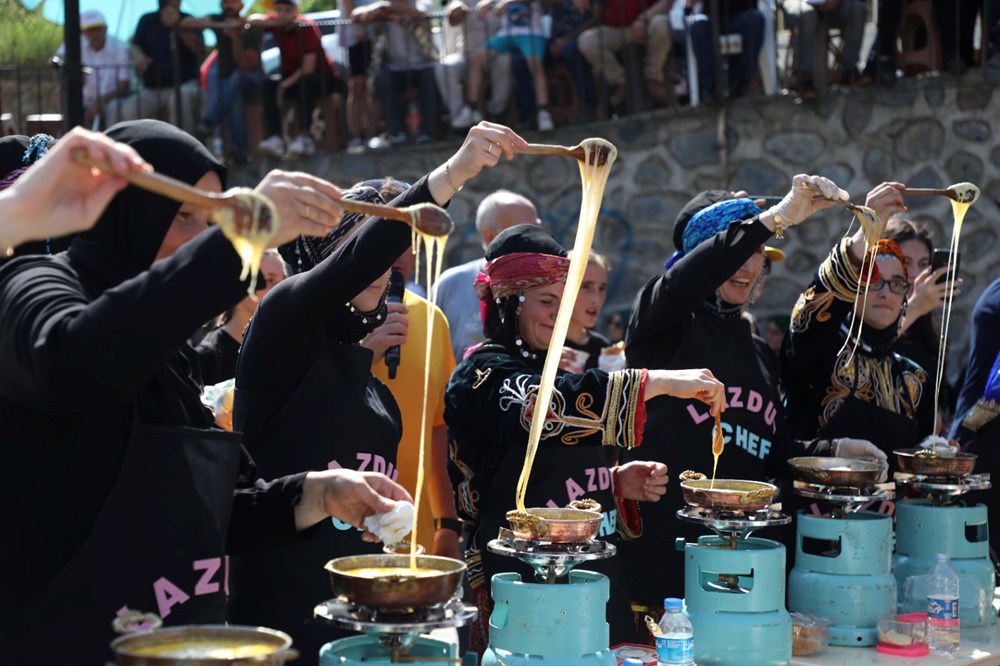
point(501, 323)
point(306, 252)
point(126, 238)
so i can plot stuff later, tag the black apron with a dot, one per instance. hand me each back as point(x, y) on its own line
point(158, 546)
point(338, 416)
point(559, 475)
point(679, 434)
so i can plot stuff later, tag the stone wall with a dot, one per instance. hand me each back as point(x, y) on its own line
point(925, 133)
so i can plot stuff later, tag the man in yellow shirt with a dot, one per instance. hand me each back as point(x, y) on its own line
point(438, 528)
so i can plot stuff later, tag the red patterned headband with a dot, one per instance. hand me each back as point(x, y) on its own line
point(517, 272)
point(890, 247)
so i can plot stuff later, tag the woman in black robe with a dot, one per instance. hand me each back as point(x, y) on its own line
point(119, 487)
point(488, 408)
point(305, 395)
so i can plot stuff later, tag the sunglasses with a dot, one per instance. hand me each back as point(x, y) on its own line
point(897, 285)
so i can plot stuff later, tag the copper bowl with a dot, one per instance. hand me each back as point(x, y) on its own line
point(556, 525)
point(441, 577)
point(728, 494)
point(190, 646)
point(929, 463)
point(843, 472)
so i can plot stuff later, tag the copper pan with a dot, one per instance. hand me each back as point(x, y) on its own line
point(140, 649)
point(396, 590)
point(581, 521)
point(931, 463)
point(727, 494)
point(842, 472)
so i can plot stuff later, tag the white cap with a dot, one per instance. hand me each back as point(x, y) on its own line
point(92, 19)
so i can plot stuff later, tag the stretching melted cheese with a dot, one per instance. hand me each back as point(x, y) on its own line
point(251, 234)
point(594, 178)
point(433, 248)
point(871, 228)
point(967, 194)
point(718, 444)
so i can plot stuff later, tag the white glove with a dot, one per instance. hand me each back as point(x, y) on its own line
point(845, 447)
point(940, 446)
point(799, 203)
point(611, 362)
point(392, 525)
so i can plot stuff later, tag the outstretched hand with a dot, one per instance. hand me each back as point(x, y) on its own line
point(348, 496)
point(698, 384)
point(307, 205)
point(484, 145)
point(58, 196)
point(809, 194)
point(641, 480)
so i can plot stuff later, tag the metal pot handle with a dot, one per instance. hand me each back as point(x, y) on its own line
point(136, 622)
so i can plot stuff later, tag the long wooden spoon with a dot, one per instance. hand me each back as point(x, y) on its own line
point(598, 157)
point(960, 192)
point(428, 218)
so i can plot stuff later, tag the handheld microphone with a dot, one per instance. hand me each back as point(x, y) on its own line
point(396, 287)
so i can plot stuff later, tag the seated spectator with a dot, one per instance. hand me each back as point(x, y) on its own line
point(306, 75)
point(465, 32)
point(624, 22)
point(520, 31)
point(802, 16)
point(568, 23)
point(360, 112)
point(234, 78)
point(739, 16)
point(108, 74)
point(220, 348)
point(155, 40)
point(405, 56)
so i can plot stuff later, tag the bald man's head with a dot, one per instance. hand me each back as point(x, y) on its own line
point(500, 210)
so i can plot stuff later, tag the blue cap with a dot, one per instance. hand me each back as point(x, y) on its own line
point(672, 604)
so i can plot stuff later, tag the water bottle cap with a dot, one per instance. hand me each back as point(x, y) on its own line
point(672, 604)
point(941, 557)
point(632, 661)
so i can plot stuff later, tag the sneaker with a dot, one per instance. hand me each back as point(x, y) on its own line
point(466, 118)
point(545, 123)
point(272, 145)
point(302, 145)
point(400, 137)
point(355, 145)
point(380, 142)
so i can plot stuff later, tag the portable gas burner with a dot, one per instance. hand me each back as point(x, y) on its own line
point(734, 588)
point(843, 561)
point(557, 620)
point(392, 636)
point(937, 521)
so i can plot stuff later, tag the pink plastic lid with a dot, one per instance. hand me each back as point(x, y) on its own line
point(916, 650)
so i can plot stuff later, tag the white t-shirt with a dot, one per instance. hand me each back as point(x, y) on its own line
point(457, 299)
point(111, 65)
point(522, 18)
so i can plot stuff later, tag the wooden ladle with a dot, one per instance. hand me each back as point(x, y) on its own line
point(598, 157)
point(428, 218)
point(960, 192)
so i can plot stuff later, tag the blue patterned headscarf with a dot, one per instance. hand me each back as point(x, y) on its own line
point(709, 221)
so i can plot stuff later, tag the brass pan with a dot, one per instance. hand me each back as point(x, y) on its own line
point(396, 590)
point(844, 472)
point(728, 494)
point(581, 521)
point(925, 461)
point(155, 648)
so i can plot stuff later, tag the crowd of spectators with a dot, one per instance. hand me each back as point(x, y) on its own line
point(398, 71)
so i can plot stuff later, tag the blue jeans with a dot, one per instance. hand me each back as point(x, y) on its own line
point(390, 85)
point(579, 68)
point(225, 99)
point(749, 23)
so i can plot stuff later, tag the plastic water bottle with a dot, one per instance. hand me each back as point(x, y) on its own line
point(675, 644)
point(942, 606)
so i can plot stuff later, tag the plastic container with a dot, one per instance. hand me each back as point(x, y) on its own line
point(942, 606)
point(810, 633)
point(644, 654)
point(903, 635)
point(675, 644)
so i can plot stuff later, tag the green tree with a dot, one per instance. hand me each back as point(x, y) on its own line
point(26, 37)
